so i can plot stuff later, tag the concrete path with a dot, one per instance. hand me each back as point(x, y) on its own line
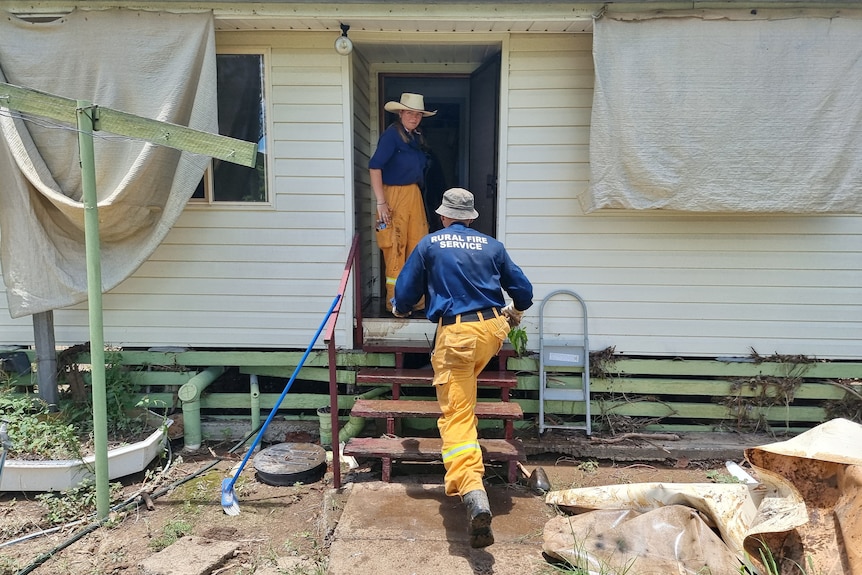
point(415, 529)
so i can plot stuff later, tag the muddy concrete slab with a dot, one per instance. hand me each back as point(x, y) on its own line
point(416, 529)
point(189, 556)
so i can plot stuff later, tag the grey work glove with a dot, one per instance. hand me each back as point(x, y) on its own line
point(514, 316)
point(397, 313)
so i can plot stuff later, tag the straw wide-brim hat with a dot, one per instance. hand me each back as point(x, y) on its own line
point(412, 102)
point(458, 205)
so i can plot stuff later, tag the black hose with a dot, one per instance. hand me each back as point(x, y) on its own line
point(45, 556)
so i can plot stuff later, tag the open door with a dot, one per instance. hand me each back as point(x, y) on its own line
point(483, 140)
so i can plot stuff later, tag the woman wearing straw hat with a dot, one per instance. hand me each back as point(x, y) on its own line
point(397, 170)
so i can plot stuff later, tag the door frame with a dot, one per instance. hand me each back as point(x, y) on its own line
point(379, 71)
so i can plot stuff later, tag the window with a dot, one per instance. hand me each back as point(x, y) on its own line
point(242, 115)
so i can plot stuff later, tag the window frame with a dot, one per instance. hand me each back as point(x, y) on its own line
point(208, 200)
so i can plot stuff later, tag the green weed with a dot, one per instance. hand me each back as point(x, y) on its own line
point(771, 564)
point(34, 431)
point(38, 432)
point(581, 562)
point(73, 503)
point(718, 477)
point(173, 530)
point(518, 339)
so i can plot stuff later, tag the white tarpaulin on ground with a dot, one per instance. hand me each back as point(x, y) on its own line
point(805, 512)
point(151, 64)
point(727, 115)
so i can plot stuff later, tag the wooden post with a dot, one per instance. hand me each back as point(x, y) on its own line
point(46, 358)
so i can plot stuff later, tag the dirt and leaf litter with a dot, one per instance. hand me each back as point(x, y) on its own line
point(287, 529)
point(281, 529)
point(799, 510)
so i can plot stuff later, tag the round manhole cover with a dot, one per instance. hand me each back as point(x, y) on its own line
point(289, 463)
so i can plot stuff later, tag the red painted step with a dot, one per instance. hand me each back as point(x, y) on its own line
point(428, 448)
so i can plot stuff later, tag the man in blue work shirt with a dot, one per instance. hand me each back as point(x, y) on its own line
point(464, 273)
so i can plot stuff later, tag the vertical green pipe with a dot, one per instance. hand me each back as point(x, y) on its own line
point(190, 394)
point(255, 401)
point(84, 114)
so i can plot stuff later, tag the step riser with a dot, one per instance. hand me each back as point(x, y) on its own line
point(411, 408)
point(425, 377)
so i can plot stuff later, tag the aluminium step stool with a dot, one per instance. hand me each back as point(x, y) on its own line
point(567, 358)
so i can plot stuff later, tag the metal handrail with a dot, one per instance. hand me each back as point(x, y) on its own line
point(329, 338)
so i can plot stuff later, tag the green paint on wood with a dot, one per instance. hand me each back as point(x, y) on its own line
point(121, 123)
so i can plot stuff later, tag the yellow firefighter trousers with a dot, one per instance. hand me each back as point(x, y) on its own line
point(461, 352)
point(409, 225)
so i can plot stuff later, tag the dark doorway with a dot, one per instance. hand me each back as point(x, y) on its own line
point(462, 136)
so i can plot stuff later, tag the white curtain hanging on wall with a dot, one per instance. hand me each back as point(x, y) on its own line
point(725, 115)
point(152, 64)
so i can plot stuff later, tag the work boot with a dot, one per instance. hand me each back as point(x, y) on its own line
point(480, 518)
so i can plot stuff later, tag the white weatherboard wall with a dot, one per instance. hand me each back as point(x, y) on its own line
point(660, 283)
point(655, 283)
point(248, 276)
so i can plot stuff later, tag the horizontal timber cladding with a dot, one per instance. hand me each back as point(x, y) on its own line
point(736, 394)
point(777, 393)
point(658, 283)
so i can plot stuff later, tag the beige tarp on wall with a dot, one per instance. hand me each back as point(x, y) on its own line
point(152, 64)
point(727, 115)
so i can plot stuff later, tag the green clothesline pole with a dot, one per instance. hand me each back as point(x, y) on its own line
point(84, 115)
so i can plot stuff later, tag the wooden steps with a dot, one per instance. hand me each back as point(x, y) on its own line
point(390, 447)
point(428, 448)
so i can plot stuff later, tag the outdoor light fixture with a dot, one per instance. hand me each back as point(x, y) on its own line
point(343, 44)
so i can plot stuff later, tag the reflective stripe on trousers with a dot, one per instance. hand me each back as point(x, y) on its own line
point(461, 352)
point(460, 449)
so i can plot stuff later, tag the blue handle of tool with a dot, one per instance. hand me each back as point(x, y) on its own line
point(284, 393)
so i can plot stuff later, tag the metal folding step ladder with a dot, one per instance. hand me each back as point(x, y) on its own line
point(561, 354)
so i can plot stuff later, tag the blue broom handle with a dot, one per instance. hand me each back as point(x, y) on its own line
point(284, 393)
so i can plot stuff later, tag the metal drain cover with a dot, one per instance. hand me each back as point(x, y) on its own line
point(289, 463)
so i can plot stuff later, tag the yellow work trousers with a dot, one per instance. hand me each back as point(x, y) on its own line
point(461, 352)
point(409, 225)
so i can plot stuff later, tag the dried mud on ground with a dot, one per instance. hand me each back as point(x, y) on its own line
point(282, 529)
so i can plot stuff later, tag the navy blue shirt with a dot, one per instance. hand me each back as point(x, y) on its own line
point(464, 271)
point(402, 163)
